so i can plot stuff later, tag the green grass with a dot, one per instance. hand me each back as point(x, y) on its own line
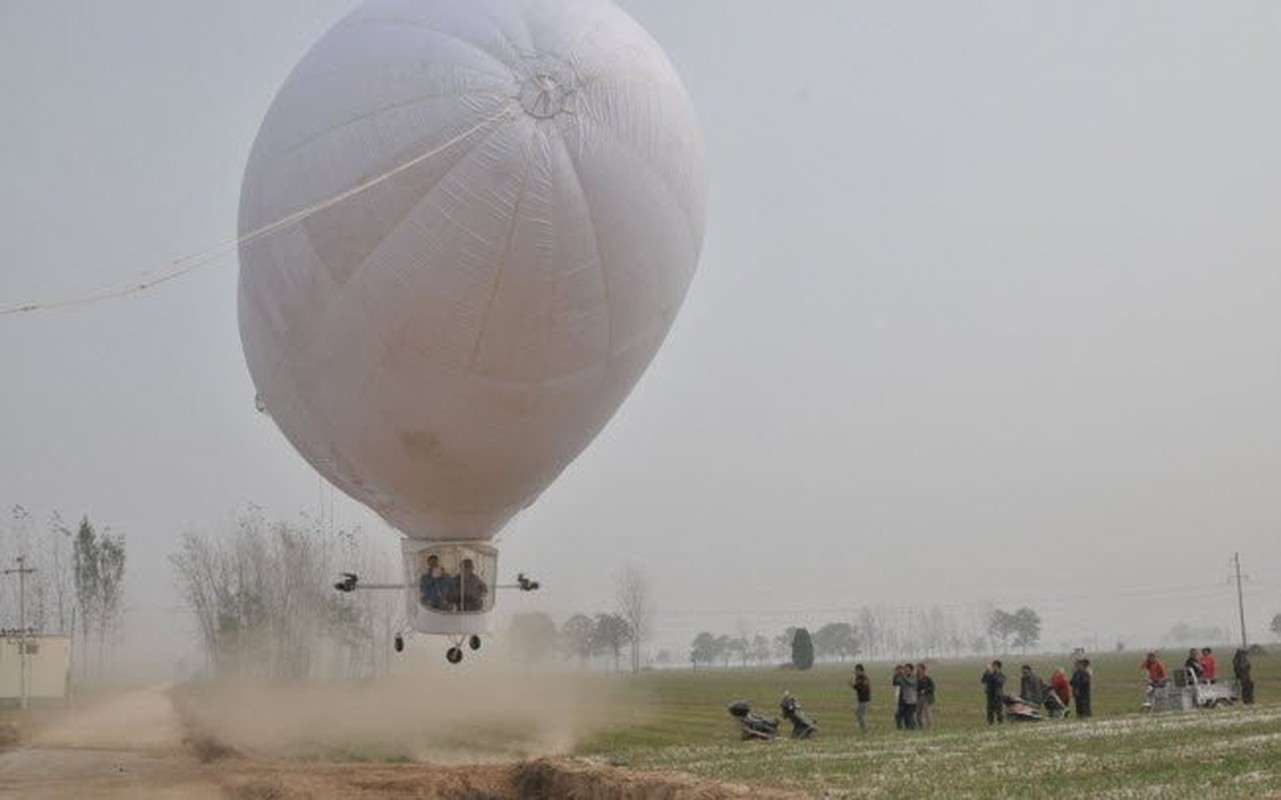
point(677, 721)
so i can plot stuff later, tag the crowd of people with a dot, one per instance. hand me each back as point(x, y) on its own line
point(915, 691)
point(1056, 697)
point(1201, 667)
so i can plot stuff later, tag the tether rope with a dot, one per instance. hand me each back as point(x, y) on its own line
point(181, 266)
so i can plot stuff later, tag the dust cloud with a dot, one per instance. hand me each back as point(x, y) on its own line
point(425, 712)
point(481, 729)
point(139, 719)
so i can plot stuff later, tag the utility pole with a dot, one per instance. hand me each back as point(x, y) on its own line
point(22, 572)
point(1236, 559)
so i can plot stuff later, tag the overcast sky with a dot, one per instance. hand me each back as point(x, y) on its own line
point(987, 312)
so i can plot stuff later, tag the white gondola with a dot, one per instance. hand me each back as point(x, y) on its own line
point(449, 591)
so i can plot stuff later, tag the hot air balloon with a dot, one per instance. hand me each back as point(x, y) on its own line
point(466, 228)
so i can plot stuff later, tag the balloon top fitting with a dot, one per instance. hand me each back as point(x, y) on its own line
point(549, 90)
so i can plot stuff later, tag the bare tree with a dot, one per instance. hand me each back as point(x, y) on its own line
point(705, 649)
point(634, 607)
point(836, 640)
point(1026, 626)
point(760, 649)
point(609, 635)
point(1001, 625)
point(576, 637)
point(37, 588)
point(872, 629)
point(196, 567)
point(61, 579)
point(783, 643)
point(263, 603)
point(738, 647)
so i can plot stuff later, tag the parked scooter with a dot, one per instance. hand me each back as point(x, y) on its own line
point(803, 725)
point(753, 726)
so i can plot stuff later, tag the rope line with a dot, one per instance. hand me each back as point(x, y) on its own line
point(182, 266)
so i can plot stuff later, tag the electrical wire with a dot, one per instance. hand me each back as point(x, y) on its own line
point(188, 263)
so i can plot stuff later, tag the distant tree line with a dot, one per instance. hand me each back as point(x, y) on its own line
point(583, 637)
point(879, 633)
point(579, 640)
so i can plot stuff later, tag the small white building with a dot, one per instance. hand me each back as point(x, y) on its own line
point(48, 668)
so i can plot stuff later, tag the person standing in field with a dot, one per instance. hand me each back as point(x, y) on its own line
point(924, 698)
point(1061, 688)
point(1082, 682)
point(1157, 675)
point(1209, 667)
point(910, 697)
point(1192, 666)
point(1245, 680)
point(993, 681)
point(1031, 687)
point(897, 683)
point(863, 694)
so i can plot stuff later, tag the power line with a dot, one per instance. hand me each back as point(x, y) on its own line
point(182, 266)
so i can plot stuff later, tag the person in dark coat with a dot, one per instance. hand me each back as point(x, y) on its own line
point(908, 696)
point(993, 681)
point(1082, 683)
point(863, 692)
point(1192, 666)
point(1245, 681)
point(900, 707)
point(1031, 687)
point(434, 584)
point(924, 698)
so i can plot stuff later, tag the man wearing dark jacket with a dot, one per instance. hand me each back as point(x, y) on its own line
point(1082, 678)
point(993, 681)
point(1031, 687)
point(1245, 681)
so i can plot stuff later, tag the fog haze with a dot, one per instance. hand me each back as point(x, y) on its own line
point(986, 314)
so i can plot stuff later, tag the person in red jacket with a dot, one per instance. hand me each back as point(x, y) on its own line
point(1156, 670)
point(1209, 667)
point(1060, 685)
point(1156, 677)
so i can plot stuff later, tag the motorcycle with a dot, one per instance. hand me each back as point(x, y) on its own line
point(803, 725)
point(753, 726)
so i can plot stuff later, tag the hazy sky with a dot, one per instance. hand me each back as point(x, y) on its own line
point(987, 311)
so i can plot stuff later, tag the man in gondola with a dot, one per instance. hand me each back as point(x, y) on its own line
point(469, 588)
point(434, 584)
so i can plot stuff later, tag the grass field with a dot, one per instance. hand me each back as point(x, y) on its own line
point(678, 722)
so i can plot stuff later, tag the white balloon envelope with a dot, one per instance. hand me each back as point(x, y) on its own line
point(493, 210)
